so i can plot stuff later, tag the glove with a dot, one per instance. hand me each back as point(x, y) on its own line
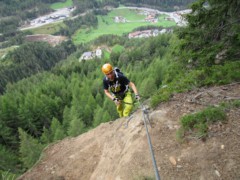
point(137, 97)
point(117, 102)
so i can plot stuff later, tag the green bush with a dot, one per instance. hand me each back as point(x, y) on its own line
point(236, 103)
point(162, 95)
point(198, 122)
point(232, 104)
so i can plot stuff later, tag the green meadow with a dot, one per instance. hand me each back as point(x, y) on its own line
point(60, 5)
point(48, 28)
point(106, 25)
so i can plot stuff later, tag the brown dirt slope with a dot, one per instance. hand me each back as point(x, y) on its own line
point(112, 152)
point(52, 40)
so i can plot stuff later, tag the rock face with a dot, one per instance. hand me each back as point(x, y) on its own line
point(113, 152)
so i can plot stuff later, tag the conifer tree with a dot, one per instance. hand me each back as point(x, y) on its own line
point(148, 87)
point(57, 130)
point(9, 159)
point(76, 127)
point(66, 117)
point(106, 117)
point(30, 149)
point(99, 99)
point(213, 28)
point(46, 136)
point(98, 116)
point(110, 107)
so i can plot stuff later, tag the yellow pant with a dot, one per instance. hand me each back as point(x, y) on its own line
point(124, 109)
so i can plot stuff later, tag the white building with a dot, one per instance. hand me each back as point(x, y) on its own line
point(91, 54)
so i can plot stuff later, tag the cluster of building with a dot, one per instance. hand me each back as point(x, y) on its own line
point(50, 19)
point(55, 16)
point(119, 19)
point(148, 33)
point(150, 17)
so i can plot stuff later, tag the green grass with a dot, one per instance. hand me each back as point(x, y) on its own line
point(106, 25)
point(117, 48)
point(60, 5)
point(197, 124)
point(106, 54)
point(48, 28)
point(130, 15)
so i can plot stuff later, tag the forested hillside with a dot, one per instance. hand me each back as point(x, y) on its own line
point(48, 94)
point(31, 58)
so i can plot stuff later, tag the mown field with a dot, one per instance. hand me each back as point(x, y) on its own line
point(48, 28)
point(60, 5)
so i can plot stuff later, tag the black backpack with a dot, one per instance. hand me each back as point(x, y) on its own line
point(116, 69)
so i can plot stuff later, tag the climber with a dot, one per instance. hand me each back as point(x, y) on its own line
point(116, 87)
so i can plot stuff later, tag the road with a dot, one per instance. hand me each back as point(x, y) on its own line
point(54, 17)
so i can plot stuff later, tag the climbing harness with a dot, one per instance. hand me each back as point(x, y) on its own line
point(146, 120)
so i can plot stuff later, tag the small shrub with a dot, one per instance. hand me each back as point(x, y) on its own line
point(233, 104)
point(188, 122)
point(162, 95)
point(201, 129)
point(198, 123)
point(213, 114)
point(236, 103)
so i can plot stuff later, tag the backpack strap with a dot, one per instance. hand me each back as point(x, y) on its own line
point(116, 74)
point(117, 77)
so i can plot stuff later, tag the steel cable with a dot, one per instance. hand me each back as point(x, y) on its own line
point(144, 111)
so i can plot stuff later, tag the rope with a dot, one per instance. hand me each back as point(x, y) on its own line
point(145, 116)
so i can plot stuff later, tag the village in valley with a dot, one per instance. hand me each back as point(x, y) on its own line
point(151, 16)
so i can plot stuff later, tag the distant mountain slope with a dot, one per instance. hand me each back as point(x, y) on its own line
point(112, 152)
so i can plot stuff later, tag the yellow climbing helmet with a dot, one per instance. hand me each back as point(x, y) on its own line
point(107, 68)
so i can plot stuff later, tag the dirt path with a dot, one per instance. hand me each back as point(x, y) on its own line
point(113, 152)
